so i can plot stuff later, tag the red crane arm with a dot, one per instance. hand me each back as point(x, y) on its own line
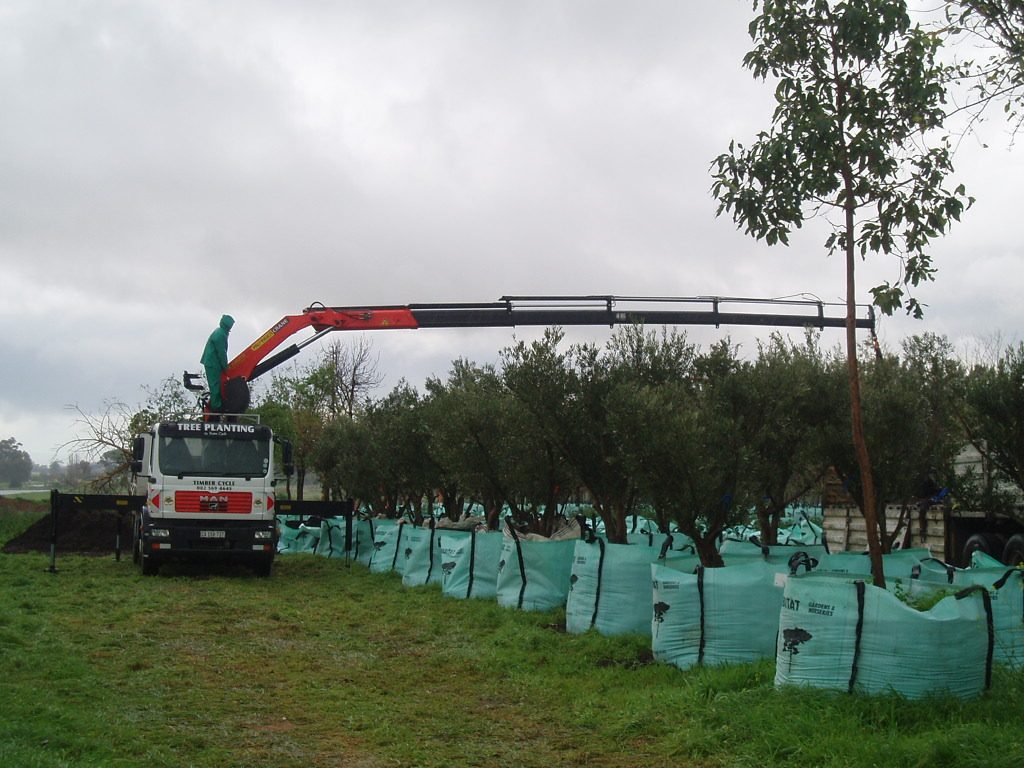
point(253, 360)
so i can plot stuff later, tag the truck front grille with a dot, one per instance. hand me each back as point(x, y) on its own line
point(229, 502)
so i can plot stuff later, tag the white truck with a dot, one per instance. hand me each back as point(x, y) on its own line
point(209, 492)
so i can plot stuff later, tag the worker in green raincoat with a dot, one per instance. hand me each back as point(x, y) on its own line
point(215, 360)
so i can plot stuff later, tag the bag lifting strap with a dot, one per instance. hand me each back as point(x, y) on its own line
point(472, 561)
point(519, 555)
point(600, 573)
point(700, 595)
point(860, 631)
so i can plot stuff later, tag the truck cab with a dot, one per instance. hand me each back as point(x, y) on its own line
point(209, 491)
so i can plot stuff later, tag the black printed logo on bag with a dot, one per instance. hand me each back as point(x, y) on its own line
point(659, 611)
point(791, 638)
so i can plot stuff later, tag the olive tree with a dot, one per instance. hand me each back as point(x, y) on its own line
point(994, 422)
point(487, 442)
point(910, 426)
point(568, 394)
point(685, 442)
point(790, 414)
point(294, 406)
point(859, 92)
point(565, 394)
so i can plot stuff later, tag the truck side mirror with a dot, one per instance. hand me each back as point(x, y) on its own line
point(287, 462)
point(138, 451)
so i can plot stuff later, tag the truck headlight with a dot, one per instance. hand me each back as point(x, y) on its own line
point(263, 535)
point(160, 533)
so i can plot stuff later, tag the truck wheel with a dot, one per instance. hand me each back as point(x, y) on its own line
point(988, 543)
point(1013, 554)
point(262, 568)
point(150, 566)
point(136, 538)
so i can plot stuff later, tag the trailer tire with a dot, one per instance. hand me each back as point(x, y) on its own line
point(988, 543)
point(262, 568)
point(1013, 553)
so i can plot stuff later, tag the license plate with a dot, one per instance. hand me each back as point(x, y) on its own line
point(211, 534)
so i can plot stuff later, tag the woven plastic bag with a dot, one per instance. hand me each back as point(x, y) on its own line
point(718, 615)
point(533, 575)
point(469, 564)
point(610, 585)
point(843, 634)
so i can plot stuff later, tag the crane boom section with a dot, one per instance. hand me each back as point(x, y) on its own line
point(512, 311)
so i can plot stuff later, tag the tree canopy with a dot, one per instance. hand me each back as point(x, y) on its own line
point(15, 463)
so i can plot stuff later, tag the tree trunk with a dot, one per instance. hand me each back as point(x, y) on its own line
point(707, 550)
point(768, 517)
point(860, 446)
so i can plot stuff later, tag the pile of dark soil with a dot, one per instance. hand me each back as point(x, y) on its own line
point(87, 532)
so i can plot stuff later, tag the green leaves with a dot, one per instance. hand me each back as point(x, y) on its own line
point(857, 88)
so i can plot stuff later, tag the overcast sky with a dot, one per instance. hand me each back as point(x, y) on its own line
point(162, 163)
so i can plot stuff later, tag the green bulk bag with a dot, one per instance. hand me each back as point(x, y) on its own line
point(981, 560)
point(425, 565)
point(800, 533)
point(1006, 589)
point(413, 538)
point(420, 559)
point(296, 536)
point(680, 541)
point(469, 565)
point(534, 575)
point(388, 544)
point(287, 531)
point(843, 634)
point(610, 585)
point(333, 532)
point(739, 552)
point(363, 532)
point(898, 564)
point(1008, 618)
point(717, 615)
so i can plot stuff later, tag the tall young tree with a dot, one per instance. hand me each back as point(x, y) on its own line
point(860, 91)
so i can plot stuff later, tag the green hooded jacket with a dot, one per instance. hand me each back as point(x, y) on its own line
point(215, 359)
point(215, 355)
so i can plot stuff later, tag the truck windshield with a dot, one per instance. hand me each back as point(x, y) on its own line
point(219, 457)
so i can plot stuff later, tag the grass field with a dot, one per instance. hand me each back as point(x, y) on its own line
point(326, 665)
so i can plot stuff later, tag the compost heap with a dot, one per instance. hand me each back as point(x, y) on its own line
point(83, 532)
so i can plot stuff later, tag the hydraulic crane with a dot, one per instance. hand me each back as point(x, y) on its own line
point(511, 311)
